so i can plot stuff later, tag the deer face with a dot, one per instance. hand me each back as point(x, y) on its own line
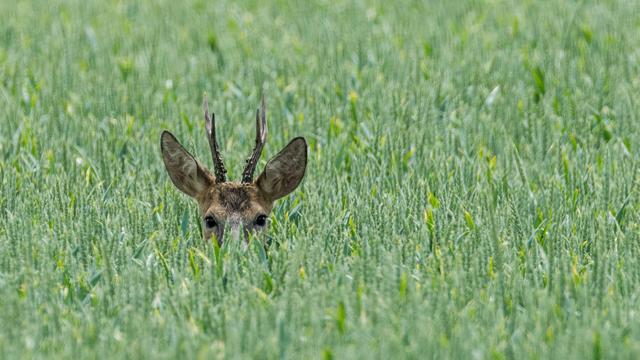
point(238, 207)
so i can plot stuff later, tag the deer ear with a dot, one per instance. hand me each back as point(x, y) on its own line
point(185, 171)
point(284, 172)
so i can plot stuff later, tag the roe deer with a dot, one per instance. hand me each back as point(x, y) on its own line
point(234, 205)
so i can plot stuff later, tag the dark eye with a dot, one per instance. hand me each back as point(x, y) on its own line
point(261, 220)
point(210, 222)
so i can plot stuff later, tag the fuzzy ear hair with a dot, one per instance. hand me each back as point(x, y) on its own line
point(285, 171)
point(185, 171)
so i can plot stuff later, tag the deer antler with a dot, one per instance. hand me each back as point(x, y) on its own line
point(210, 124)
point(261, 137)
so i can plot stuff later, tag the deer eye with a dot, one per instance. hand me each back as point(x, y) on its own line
point(210, 222)
point(261, 220)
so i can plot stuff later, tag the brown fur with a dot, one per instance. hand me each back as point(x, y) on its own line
point(234, 205)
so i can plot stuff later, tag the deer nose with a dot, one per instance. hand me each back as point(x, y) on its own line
point(235, 232)
point(235, 227)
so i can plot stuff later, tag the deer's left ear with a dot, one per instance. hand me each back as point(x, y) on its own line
point(185, 171)
point(285, 171)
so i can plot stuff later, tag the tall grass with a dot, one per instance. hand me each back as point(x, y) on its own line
point(471, 189)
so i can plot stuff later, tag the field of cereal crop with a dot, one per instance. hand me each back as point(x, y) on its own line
point(471, 191)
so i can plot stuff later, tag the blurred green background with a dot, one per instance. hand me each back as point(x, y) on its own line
point(471, 188)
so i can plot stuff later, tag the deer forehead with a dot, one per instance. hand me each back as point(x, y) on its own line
point(233, 200)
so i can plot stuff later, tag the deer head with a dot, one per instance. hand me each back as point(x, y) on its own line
point(234, 206)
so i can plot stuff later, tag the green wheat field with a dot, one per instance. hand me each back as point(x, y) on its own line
point(471, 193)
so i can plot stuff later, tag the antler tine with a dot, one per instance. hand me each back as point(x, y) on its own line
point(210, 125)
point(261, 137)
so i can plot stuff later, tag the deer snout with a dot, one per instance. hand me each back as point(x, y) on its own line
point(234, 232)
point(235, 228)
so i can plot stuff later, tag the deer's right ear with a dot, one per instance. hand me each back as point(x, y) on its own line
point(185, 171)
point(284, 172)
